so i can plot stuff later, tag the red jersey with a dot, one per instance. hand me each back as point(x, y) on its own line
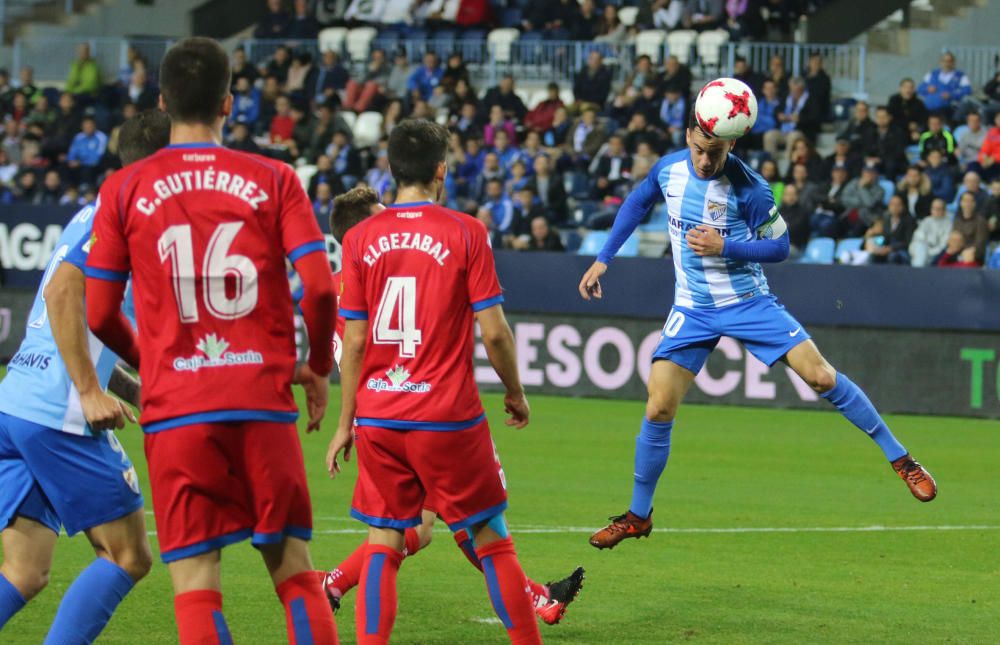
point(204, 232)
point(418, 272)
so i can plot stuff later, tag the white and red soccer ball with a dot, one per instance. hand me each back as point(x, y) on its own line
point(726, 108)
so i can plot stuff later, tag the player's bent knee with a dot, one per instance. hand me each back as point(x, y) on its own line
point(425, 533)
point(29, 582)
point(822, 378)
point(137, 561)
point(660, 410)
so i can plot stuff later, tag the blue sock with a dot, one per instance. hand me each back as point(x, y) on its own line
point(11, 601)
point(853, 404)
point(89, 602)
point(652, 447)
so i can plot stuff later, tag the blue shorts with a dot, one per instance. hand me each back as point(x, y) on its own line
point(57, 478)
point(761, 324)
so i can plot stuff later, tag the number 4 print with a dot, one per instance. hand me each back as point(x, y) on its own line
point(396, 319)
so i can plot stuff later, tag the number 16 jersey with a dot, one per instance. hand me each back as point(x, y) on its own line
point(205, 232)
point(418, 273)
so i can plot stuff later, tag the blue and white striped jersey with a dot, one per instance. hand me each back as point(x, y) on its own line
point(738, 203)
point(37, 387)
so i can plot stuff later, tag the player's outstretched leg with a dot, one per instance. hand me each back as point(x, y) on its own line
point(375, 610)
point(123, 559)
point(307, 615)
point(27, 556)
point(668, 383)
point(549, 600)
point(505, 581)
point(346, 575)
point(852, 402)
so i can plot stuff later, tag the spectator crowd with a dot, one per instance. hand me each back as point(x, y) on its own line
point(914, 181)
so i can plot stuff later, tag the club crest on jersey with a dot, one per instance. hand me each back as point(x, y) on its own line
point(214, 354)
point(399, 381)
point(716, 210)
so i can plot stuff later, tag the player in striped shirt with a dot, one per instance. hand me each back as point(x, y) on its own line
point(549, 600)
point(60, 462)
point(723, 223)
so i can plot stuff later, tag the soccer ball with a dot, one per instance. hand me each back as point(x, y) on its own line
point(726, 108)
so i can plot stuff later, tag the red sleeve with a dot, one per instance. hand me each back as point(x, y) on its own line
point(109, 324)
point(108, 258)
point(300, 232)
point(482, 281)
point(319, 309)
point(353, 302)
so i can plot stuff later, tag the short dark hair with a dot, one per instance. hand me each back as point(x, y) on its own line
point(350, 208)
point(416, 148)
point(143, 135)
point(194, 80)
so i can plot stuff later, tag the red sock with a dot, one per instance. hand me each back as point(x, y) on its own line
point(199, 618)
point(464, 543)
point(375, 610)
point(506, 584)
point(346, 575)
point(307, 613)
point(538, 590)
point(412, 542)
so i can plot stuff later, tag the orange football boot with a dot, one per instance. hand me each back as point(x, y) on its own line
point(920, 482)
point(624, 526)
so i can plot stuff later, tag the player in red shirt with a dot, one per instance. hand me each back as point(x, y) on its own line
point(550, 600)
point(204, 232)
point(415, 278)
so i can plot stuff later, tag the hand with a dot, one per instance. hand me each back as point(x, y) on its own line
point(705, 241)
point(317, 394)
point(104, 412)
point(516, 405)
point(590, 285)
point(342, 440)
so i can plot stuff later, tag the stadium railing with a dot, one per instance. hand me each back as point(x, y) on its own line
point(846, 64)
point(980, 63)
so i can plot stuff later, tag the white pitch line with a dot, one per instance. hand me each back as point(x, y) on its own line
point(544, 530)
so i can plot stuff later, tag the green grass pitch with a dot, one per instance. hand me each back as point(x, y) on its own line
point(731, 469)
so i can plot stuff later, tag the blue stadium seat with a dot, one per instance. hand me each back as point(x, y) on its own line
point(511, 17)
point(819, 251)
point(849, 245)
point(657, 221)
point(571, 240)
point(585, 209)
point(993, 262)
point(888, 187)
point(577, 185)
point(593, 243)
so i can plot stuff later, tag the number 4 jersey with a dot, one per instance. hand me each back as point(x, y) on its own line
point(417, 273)
point(205, 232)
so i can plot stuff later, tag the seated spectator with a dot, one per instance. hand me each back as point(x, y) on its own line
point(956, 254)
point(863, 198)
point(943, 89)
point(52, 188)
point(455, 71)
point(908, 110)
point(674, 115)
point(42, 114)
point(379, 177)
point(492, 171)
point(8, 170)
point(803, 152)
point(648, 103)
point(301, 75)
point(11, 143)
point(644, 154)
point(539, 118)
point(942, 179)
point(468, 165)
point(639, 132)
point(84, 74)
point(502, 95)
point(517, 177)
point(799, 118)
point(279, 64)
point(275, 22)
point(702, 15)
point(586, 137)
point(776, 72)
point(241, 68)
point(611, 168)
point(989, 152)
point(461, 94)
point(744, 20)
point(819, 85)
point(743, 72)
point(526, 208)
point(992, 210)
point(499, 123)
point(328, 120)
point(282, 124)
point(768, 107)
point(676, 75)
point(971, 141)
point(346, 161)
point(931, 235)
point(531, 148)
point(915, 189)
point(399, 75)
point(268, 102)
point(327, 79)
point(973, 226)
point(660, 14)
point(501, 208)
point(391, 115)
point(825, 219)
point(18, 108)
point(811, 193)
point(467, 122)
point(796, 217)
point(593, 83)
point(887, 240)
point(937, 138)
point(550, 16)
point(26, 191)
point(769, 171)
point(425, 78)
point(140, 91)
point(555, 137)
point(583, 27)
point(241, 139)
point(246, 102)
point(325, 174)
point(888, 149)
point(87, 151)
point(992, 93)
point(971, 183)
point(609, 28)
point(323, 204)
point(303, 25)
point(26, 84)
point(843, 154)
point(640, 75)
point(543, 238)
point(359, 96)
point(860, 130)
point(549, 189)
point(486, 217)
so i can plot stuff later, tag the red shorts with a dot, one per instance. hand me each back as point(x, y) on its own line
point(456, 474)
point(214, 484)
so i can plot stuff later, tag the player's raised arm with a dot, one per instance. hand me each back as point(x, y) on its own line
point(629, 215)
